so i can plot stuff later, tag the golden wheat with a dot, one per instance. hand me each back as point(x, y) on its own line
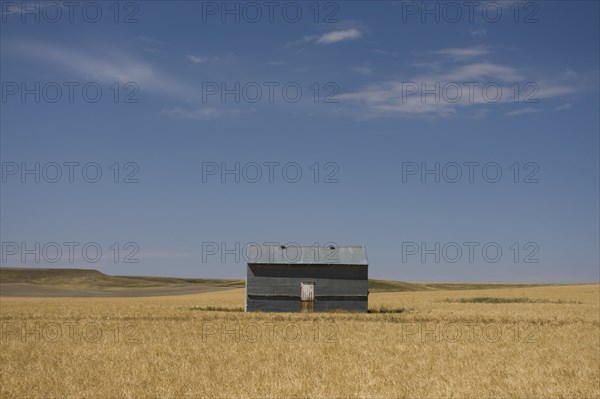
point(170, 347)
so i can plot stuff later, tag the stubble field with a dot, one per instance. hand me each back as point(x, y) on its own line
point(540, 342)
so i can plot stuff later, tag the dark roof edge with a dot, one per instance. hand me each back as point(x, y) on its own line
point(307, 264)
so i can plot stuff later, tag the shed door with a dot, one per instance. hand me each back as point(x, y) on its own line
point(307, 292)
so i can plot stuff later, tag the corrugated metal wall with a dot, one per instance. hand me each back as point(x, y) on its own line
point(278, 287)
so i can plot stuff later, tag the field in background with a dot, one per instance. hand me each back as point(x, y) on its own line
point(543, 343)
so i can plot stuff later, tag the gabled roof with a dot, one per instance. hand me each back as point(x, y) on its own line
point(306, 255)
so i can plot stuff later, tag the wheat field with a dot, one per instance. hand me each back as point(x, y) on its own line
point(541, 342)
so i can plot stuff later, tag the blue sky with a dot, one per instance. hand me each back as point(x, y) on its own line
point(365, 95)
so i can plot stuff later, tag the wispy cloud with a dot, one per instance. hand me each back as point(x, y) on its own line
point(202, 113)
point(363, 70)
point(563, 107)
point(335, 36)
point(195, 59)
point(523, 111)
point(107, 65)
point(549, 89)
point(385, 52)
point(150, 40)
point(199, 59)
point(151, 45)
point(478, 32)
point(444, 90)
point(199, 113)
point(458, 54)
point(481, 113)
point(475, 72)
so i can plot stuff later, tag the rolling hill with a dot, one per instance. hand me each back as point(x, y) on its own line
point(80, 282)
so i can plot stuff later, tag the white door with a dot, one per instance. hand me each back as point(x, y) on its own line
point(307, 292)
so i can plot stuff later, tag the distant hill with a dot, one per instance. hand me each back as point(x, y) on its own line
point(399, 286)
point(93, 279)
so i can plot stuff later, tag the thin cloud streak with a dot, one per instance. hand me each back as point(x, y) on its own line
point(206, 113)
point(335, 36)
point(563, 107)
point(457, 54)
point(523, 111)
point(113, 66)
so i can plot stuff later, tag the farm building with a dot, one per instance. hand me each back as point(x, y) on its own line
point(312, 278)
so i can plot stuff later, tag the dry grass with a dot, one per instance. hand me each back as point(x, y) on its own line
point(187, 346)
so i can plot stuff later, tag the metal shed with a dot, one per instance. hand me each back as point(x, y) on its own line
point(306, 278)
